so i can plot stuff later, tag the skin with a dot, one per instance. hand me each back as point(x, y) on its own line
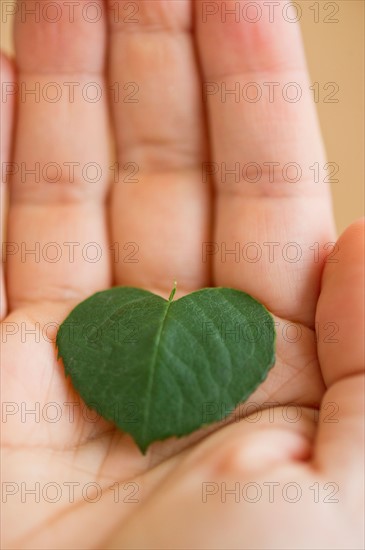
point(170, 212)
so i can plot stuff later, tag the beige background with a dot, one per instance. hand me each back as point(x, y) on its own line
point(335, 54)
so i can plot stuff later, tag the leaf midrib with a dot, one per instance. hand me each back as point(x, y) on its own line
point(152, 370)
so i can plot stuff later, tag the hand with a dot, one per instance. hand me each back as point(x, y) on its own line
point(171, 213)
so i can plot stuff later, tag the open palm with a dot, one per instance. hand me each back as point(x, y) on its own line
point(169, 209)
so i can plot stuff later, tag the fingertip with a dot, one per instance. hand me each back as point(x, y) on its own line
point(354, 234)
point(66, 37)
point(263, 38)
point(348, 251)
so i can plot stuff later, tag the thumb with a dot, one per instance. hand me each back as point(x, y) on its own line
point(340, 443)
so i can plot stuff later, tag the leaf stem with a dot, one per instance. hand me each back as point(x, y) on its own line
point(171, 297)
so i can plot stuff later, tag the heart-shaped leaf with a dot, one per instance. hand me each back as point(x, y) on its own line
point(159, 368)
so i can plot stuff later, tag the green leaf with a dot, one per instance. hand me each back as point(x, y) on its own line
point(159, 368)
